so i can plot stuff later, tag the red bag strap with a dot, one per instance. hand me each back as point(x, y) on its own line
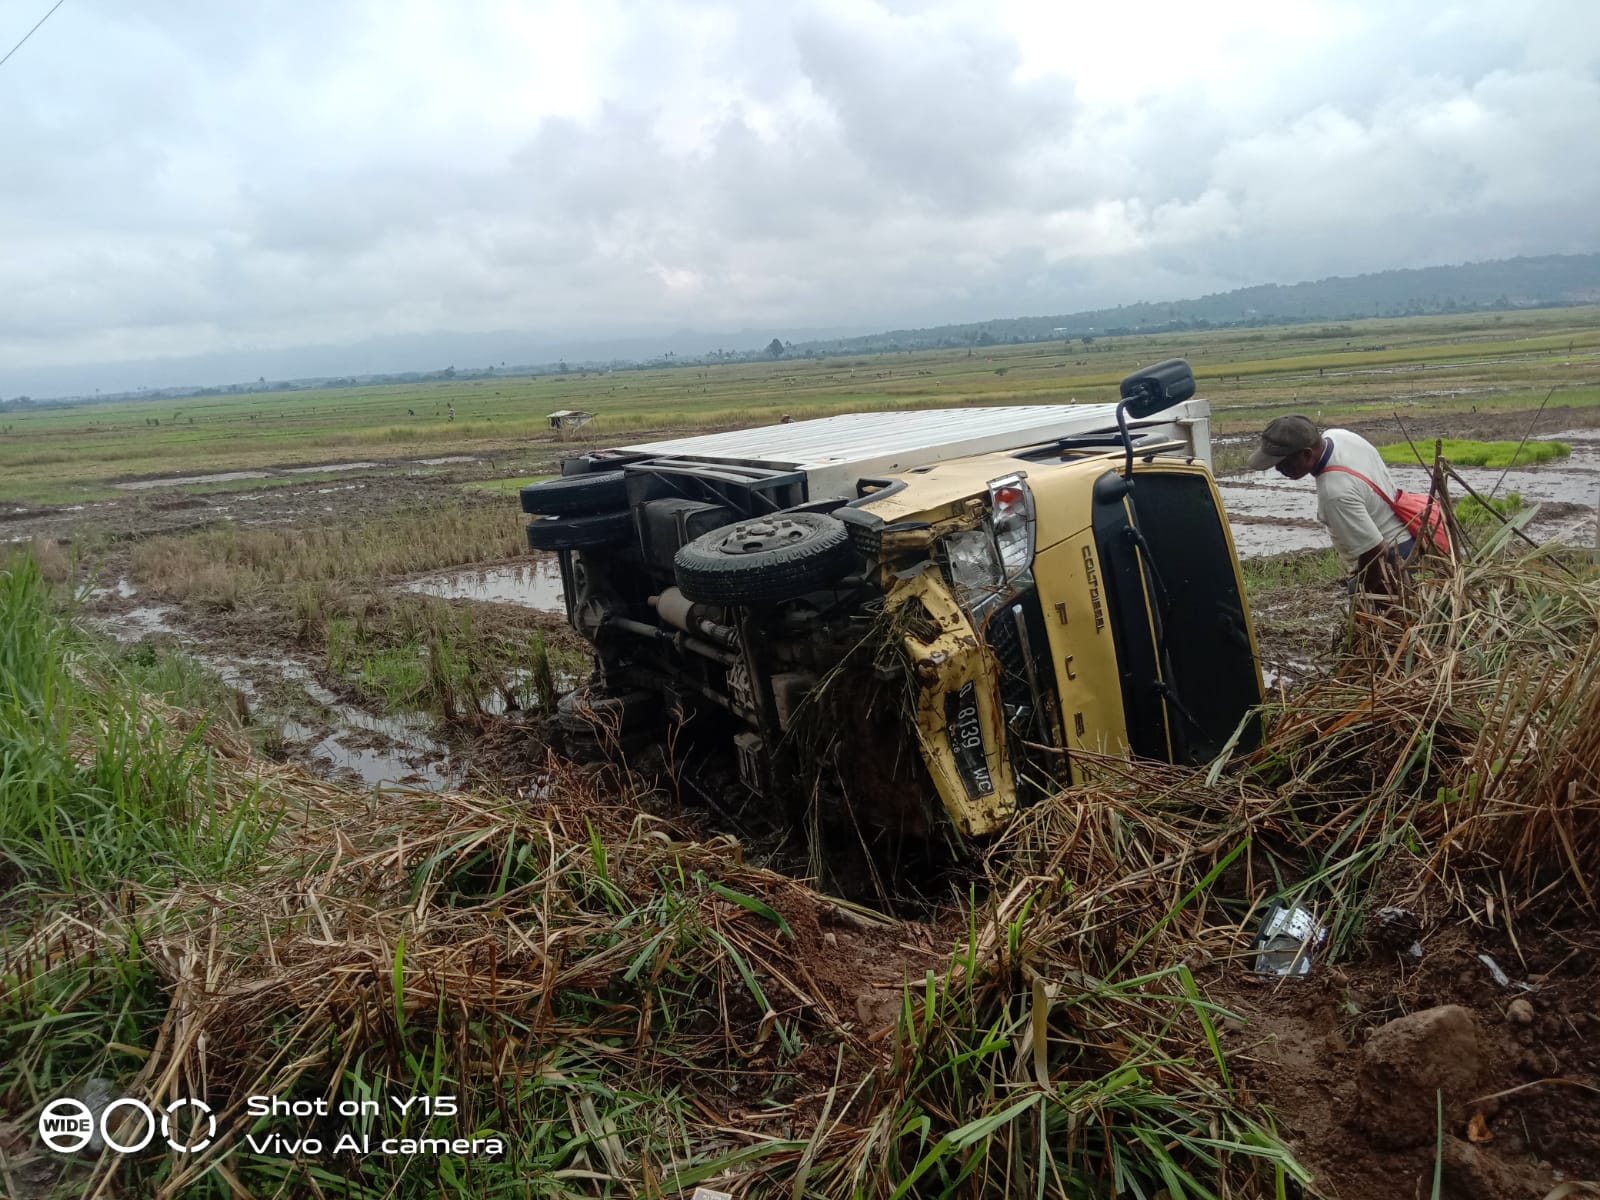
point(1370, 484)
point(1430, 516)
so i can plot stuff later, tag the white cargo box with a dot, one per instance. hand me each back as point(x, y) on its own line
point(834, 452)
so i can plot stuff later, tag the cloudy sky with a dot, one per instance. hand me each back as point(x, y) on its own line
point(193, 177)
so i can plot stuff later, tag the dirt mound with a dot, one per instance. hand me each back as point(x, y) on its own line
point(1354, 1064)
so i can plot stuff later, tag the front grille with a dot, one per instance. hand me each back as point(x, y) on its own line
point(1037, 771)
point(1000, 631)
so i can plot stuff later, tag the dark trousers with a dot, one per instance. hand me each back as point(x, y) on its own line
point(1396, 555)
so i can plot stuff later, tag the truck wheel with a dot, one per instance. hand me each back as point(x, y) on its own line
point(580, 533)
point(576, 494)
point(764, 559)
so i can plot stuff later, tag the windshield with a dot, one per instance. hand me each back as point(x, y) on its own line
point(1177, 616)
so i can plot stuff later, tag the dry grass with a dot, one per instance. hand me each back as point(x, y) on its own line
point(221, 566)
point(636, 1013)
point(55, 564)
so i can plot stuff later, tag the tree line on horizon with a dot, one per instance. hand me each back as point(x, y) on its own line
point(1504, 284)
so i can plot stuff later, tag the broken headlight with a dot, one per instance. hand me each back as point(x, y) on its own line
point(973, 563)
point(987, 563)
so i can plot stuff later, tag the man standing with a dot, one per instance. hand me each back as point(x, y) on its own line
point(1354, 494)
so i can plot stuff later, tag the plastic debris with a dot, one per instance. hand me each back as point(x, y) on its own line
point(1288, 936)
point(1501, 977)
point(1393, 915)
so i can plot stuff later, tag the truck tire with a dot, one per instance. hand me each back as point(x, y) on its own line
point(580, 533)
point(764, 559)
point(567, 495)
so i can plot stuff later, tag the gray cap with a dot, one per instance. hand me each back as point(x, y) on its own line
point(1283, 437)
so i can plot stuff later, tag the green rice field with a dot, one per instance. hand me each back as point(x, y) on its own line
point(1481, 362)
point(1467, 453)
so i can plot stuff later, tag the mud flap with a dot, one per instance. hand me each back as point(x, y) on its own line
point(959, 717)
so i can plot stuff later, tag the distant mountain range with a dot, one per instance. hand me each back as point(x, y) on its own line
point(1550, 281)
point(396, 357)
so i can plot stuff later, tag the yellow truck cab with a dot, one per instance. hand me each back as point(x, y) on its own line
point(902, 621)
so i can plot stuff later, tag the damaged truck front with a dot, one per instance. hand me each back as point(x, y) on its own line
point(894, 618)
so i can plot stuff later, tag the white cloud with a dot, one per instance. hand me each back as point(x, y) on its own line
point(183, 177)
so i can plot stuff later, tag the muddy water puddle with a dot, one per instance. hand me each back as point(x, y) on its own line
point(388, 750)
point(135, 624)
point(329, 468)
point(382, 768)
point(338, 738)
point(1284, 676)
point(519, 688)
point(1253, 540)
point(535, 585)
point(381, 751)
point(122, 589)
point(140, 485)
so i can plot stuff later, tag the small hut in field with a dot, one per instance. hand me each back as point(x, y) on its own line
point(566, 420)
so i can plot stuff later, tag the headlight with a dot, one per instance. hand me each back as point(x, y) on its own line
point(971, 560)
point(1011, 518)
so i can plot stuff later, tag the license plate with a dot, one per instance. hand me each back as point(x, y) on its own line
point(966, 740)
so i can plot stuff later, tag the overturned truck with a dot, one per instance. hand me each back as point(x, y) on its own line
point(905, 621)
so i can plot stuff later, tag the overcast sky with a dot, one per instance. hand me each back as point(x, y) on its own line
point(186, 177)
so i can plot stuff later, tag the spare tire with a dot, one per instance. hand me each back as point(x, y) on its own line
point(764, 559)
point(580, 533)
point(599, 491)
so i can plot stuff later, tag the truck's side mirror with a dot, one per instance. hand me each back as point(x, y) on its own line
point(1147, 392)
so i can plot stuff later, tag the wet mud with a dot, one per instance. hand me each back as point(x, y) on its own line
point(140, 483)
point(286, 695)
